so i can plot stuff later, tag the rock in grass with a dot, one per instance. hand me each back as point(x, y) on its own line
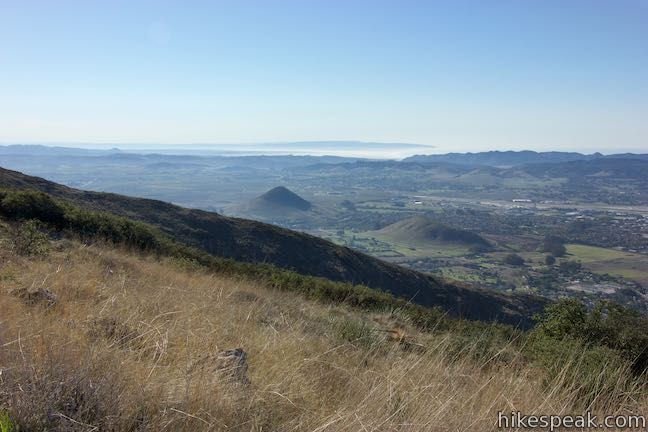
point(232, 365)
point(41, 296)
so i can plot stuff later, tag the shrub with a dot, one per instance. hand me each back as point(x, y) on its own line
point(21, 205)
point(585, 370)
point(550, 260)
point(29, 239)
point(569, 343)
point(115, 229)
point(566, 317)
point(27, 205)
point(608, 325)
point(623, 329)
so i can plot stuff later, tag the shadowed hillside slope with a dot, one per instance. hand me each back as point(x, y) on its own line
point(250, 241)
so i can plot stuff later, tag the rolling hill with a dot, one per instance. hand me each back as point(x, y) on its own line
point(255, 242)
point(421, 229)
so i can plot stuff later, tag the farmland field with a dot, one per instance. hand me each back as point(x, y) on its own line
point(618, 263)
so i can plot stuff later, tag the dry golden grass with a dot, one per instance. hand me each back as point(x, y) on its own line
point(129, 344)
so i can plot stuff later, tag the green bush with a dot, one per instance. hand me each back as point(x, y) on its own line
point(591, 353)
point(89, 225)
point(623, 329)
point(25, 205)
point(112, 228)
point(608, 325)
point(566, 317)
point(583, 369)
point(29, 239)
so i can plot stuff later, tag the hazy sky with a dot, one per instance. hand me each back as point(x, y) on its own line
point(460, 75)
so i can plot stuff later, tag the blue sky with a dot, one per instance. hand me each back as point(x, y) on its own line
point(459, 75)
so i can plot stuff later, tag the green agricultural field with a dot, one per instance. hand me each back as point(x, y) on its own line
point(629, 265)
point(587, 254)
point(383, 247)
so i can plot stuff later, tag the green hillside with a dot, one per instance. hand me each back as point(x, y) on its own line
point(421, 229)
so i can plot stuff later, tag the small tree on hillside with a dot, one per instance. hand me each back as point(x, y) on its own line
point(29, 239)
point(554, 245)
point(514, 259)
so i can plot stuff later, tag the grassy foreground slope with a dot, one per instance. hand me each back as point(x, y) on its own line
point(250, 241)
point(128, 341)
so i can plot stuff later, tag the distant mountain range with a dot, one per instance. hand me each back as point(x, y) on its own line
point(616, 166)
point(265, 154)
point(230, 183)
point(315, 148)
point(42, 150)
point(512, 158)
point(26, 154)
